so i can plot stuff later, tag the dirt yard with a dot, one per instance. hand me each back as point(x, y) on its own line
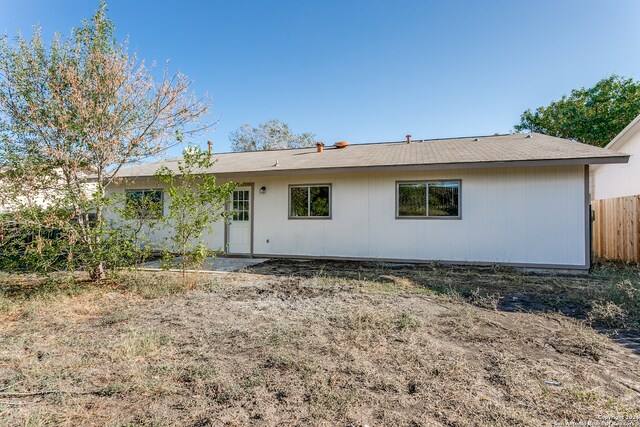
point(312, 343)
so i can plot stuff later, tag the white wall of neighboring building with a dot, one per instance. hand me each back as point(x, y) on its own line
point(40, 198)
point(524, 216)
point(8, 206)
point(622, 179)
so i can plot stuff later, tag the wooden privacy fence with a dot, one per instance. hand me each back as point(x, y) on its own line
point(616, 228)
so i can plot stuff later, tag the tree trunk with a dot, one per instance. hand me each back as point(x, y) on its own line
point(184, 264)
point(98, 273)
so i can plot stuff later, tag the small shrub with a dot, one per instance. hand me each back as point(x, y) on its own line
point(627, 294)
point(608, 314)
point(618, 305)
point(405, 321)
point(579, 339)
point(476, 297)
point(484, 300)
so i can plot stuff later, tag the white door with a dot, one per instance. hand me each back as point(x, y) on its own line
point(239, 228)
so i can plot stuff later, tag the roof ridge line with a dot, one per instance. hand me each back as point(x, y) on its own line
point(359, 144)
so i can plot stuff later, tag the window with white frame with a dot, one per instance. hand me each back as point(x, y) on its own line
point(428, 199)
point(310, 201)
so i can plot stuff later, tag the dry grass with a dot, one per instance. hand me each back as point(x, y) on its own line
point(309, 344)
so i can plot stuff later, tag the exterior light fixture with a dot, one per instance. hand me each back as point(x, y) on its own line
point(263, 189)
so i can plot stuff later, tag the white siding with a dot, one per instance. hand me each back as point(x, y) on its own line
point(159, 235)
point(532, 215)
point(37, 198)
point(618, 180)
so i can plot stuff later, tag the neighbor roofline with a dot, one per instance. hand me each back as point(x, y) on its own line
point(625, 135)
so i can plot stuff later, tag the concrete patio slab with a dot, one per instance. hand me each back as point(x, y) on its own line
point(213, 264)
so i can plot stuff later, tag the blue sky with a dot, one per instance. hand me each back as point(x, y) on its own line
point(368, 71)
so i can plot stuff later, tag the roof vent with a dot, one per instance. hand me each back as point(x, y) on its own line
point(319, 146)
point(408, 139)
point(476, 139)
point(276, 164)
point(529, 136)
point(341, 144)
point(496, 134)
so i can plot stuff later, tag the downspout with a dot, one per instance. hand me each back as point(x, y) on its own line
point(588, 219)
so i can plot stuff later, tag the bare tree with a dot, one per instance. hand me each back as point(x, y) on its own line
point(270, 135)
point(80, 108)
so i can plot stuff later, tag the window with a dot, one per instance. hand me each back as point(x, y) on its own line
point(310, 201)
point(240, 200)
point(145, 204)
point(428, 199)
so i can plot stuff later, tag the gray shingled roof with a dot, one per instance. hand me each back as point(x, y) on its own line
point(483, 151)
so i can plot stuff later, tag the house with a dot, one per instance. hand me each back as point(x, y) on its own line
point(517, 199)
point(619, 180)
point(615, 192)
point(36, 193)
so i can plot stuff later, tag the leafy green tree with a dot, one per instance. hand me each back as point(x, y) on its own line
point(196, 203)
point(28, 241)
point(591, 115)
point(82, 107)
point(138, 217)
point(270, 135)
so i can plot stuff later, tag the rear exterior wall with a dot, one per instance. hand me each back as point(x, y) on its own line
point(529, 216)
